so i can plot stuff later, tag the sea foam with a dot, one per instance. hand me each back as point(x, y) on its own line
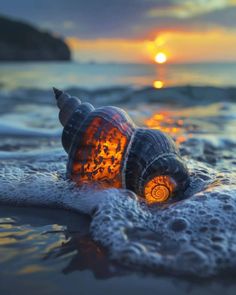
point(195, 236)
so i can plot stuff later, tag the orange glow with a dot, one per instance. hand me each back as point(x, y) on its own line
point(107, 50)
point(158, 84)
point(159, 189)
point(202, 46)
point(100, 159)
point(160, 58)
point(164, 122)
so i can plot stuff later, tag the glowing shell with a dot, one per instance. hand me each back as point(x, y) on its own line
point(107, 149)
point(159, 188)
point(98, 152)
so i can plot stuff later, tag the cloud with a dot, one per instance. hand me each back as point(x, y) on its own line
point(187, 8)
point(224, 18)
point(137, 19)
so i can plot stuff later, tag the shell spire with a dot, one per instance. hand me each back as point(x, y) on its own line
point(71, 115)
point(67, 105)
point(57, 92)
point(105, 147)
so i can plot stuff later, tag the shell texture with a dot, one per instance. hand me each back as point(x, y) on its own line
point(153, 153)
point(106, 149)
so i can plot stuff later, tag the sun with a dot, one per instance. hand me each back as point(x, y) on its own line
point(160, 58)
point(158, 84)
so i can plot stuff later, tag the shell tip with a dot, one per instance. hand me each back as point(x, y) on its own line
point(57, 92)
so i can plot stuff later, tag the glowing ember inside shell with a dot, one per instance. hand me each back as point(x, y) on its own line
point(159, 189)
point(100, 152)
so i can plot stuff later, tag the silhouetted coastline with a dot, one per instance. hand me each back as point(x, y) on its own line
point(20, 41)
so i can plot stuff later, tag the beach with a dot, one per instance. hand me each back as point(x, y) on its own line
point(185, 247)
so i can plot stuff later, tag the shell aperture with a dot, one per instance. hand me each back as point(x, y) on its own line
point(159, 189)
point(106, 149)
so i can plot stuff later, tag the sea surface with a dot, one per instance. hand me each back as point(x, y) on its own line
point(56, 238)
point(93, 75)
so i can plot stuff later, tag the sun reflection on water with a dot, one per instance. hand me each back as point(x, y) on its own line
point(165, 122)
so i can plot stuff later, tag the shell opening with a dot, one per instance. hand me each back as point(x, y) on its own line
point(159, 189)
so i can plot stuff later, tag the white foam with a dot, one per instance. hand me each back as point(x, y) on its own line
point(195, 236)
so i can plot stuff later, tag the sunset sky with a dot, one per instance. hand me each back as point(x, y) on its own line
point(136, 30)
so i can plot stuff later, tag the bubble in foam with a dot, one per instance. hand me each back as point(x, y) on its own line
point(179, 224)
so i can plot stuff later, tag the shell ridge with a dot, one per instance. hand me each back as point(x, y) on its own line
point(126, 155)
point(164, 157)
point(124, 118)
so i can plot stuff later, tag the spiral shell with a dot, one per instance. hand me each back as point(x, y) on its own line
point(105, 147)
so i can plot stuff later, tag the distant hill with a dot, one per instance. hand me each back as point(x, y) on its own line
point(20, 41)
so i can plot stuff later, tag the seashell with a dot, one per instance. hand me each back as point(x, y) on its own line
point(104, 146)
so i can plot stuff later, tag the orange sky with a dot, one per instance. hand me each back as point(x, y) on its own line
point(180, 47)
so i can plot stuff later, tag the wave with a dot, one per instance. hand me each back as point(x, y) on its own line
point(180, 95)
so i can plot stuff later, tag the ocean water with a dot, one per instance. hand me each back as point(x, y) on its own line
point(92, 76)
point(57, 238)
